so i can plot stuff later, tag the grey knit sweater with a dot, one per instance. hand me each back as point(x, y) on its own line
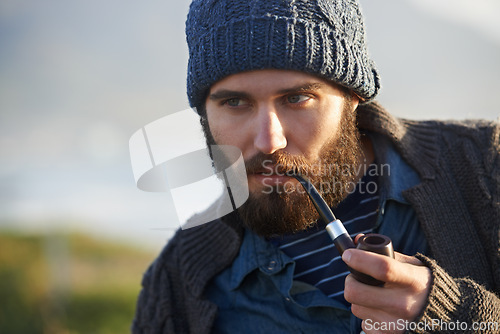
point(457, 203)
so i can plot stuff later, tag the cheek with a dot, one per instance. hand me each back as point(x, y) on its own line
point(222, 137)
point(224, 131)
point(215, 126)
point(321, 131)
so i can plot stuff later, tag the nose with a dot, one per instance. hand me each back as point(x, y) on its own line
point(270, 136)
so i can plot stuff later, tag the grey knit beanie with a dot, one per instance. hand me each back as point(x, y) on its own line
point(322, 37)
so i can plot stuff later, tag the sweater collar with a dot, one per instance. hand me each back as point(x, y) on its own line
point(415, 141)
point(207, 249)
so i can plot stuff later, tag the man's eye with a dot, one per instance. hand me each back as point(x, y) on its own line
point(297, 98)
point(234, 102)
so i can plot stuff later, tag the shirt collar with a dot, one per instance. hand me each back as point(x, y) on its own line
point(256, 253)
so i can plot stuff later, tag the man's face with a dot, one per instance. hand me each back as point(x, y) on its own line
point(284, 120)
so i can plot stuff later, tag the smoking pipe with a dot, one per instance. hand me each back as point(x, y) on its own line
point(372, 242)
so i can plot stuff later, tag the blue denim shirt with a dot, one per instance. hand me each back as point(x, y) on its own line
point(257, 294)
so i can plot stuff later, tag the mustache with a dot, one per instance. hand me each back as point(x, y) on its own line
point(280, 162)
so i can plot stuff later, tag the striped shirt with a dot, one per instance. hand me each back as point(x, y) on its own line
point(317, 261)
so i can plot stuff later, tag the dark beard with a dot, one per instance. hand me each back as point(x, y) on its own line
point(286, 209)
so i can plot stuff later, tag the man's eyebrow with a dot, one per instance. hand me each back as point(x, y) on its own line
point(303, 88)
point(226, 94)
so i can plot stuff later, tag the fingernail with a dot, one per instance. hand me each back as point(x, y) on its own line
point(346, 256)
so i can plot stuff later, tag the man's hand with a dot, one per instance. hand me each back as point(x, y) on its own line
point(403, 296)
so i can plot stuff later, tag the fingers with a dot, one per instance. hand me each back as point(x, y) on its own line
point(381, 267)
point(407, 282)
point(400, 302)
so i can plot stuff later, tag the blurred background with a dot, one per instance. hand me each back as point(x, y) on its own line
point(78, 78)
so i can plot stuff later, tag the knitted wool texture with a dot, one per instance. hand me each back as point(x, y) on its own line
point(457, 203)
point(322, 37)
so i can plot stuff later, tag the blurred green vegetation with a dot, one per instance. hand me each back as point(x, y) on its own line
point(68, 284)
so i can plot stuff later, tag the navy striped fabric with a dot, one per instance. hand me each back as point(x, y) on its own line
point(317, 261)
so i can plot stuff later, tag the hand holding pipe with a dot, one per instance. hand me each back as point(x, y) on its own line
point(373, 242)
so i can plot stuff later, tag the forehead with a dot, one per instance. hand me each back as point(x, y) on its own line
point(273, 80)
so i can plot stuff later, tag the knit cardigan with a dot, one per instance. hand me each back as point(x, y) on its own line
point(457, 203)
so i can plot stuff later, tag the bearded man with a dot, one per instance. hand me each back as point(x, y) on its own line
point(290, 84)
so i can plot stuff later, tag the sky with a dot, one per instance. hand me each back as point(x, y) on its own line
point(78, 78)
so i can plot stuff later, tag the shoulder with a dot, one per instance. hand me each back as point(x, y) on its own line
point(481, 133)
point(374, 117)
point(433, 145)
point(176, 280)
point(210, 242)
point(475, 142)
point(195, 255)
point(468, 152)
point(463, 147)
